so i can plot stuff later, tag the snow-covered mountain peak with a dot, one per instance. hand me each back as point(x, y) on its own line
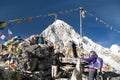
point(57, 22)
point(115, 49)
point(61, 32)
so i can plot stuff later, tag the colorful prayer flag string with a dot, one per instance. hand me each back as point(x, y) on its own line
point(101, 21)
point(28, 19)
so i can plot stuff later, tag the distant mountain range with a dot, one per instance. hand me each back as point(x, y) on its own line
point(61, 32)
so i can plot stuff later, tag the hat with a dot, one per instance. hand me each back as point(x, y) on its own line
point(94, 54)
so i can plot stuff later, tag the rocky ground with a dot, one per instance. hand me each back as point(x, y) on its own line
point(33, 62)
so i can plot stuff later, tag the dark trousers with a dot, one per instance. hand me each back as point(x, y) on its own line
point(93, 75)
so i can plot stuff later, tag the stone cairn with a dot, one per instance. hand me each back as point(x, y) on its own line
point(32, 61)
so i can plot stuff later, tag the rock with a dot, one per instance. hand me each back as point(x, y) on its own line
point(32, 60)
point(115, 78)
point(76, 75)
point(111, 76)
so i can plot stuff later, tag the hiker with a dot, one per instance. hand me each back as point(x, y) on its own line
point(41, 40)
point(57, 46)
point(55, 64)
point(71, 49)
point(93, 65)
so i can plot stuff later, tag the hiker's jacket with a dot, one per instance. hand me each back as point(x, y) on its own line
point(92, 60)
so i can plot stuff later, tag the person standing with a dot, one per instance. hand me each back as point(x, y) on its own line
point(93, 65)
point(71, 49)
point(55, 64)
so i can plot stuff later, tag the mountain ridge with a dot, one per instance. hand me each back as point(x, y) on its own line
point(61, 32)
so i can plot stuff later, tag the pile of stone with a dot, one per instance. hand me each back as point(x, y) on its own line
point(32, 61)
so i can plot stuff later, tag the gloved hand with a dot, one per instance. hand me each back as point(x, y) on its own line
point(100, 73)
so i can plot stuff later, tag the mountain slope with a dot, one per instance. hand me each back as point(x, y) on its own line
point(62, 32)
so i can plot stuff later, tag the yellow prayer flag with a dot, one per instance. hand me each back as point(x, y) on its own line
point(10, 48)
point(49, 14)
point(3, 24)
point(18, 21)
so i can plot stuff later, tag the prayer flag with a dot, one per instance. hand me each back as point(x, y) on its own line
point(9, 34)
point(2, 36)
point(82, 12)
point(2, 25)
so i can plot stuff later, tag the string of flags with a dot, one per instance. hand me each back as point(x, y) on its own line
point(3, 24)
point(103, 22)
point(28, 19)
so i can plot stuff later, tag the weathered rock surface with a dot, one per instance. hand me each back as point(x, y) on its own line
point(33, 62)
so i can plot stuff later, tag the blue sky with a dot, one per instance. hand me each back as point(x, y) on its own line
point(105, 10)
